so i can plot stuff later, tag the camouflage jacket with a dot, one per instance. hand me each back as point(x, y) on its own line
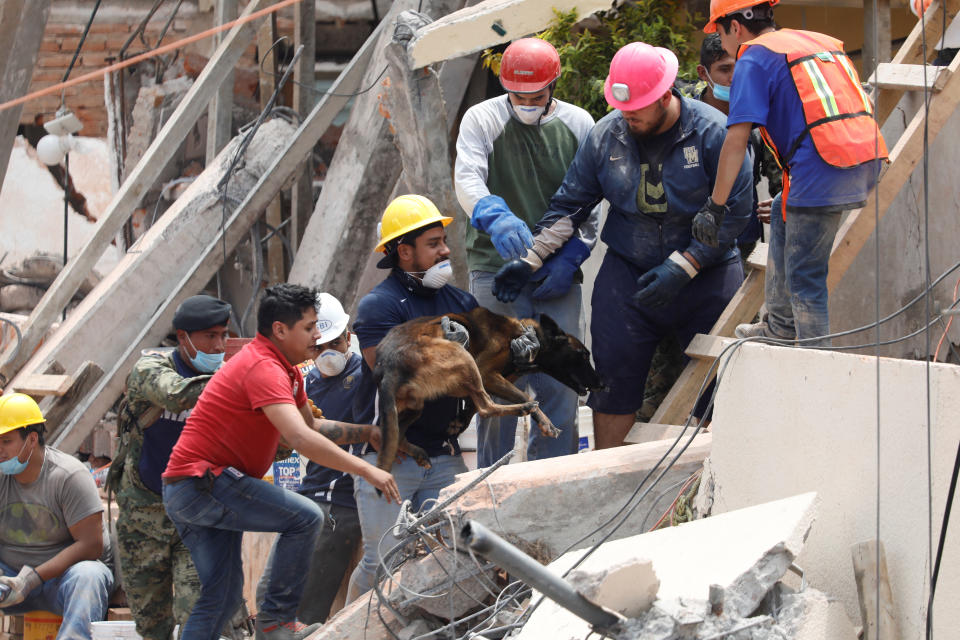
point(154, 385)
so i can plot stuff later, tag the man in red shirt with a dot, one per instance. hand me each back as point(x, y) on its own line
point(212, 489)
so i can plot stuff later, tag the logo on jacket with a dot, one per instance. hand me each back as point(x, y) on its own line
point(692, 157)
point(348, 381)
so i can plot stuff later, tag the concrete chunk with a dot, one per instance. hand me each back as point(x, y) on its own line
point(545, 506)
point(452, 583)
point(627, 587)
point(745, 552)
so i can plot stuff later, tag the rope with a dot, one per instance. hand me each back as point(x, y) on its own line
point(179, 44)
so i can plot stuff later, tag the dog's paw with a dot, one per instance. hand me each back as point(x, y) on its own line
point(549, 431)
point(529, 407)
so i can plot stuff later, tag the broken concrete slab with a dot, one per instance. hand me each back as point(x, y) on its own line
point(745, 552)
point(490, 23)
point(452, 583)
point(545, 506)
point(819, 430)
point(812, 615)
point(627, 587)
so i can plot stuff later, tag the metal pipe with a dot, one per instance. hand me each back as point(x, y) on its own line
point(517, 563)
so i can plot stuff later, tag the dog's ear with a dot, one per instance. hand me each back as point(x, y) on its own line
point(550, 328)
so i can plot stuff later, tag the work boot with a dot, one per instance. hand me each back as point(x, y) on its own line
point(295, 630)
point(755, 330)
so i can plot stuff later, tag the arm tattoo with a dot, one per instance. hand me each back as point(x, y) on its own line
point(342, 432)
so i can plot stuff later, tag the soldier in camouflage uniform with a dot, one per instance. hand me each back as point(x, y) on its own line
point(159, 578)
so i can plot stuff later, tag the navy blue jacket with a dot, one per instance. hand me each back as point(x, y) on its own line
point(609, 165)
point(394, 301)
point(334, 396)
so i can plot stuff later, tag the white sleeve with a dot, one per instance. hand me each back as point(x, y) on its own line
point(580, 122)
point(478, 130)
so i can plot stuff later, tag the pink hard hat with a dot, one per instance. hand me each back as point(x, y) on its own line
point(639, 74)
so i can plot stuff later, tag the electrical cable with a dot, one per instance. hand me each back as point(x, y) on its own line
point(76, 52)
point(19, 336)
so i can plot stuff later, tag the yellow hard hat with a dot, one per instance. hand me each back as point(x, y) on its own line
point(405, 214)
point(18, 410)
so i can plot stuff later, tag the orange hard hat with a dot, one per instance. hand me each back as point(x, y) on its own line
point(721, 8)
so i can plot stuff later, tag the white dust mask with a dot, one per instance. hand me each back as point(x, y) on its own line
point(438, 275)
point(331, 362)
point(528, 115)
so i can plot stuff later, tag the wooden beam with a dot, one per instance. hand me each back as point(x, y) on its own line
point(55, 409)
point(22, 23)
point(38, 384)
point(87, 412)
point(268, 81)
point(758, 257)
point(904, 158)
point(911, 51)
point(909, 77)
point(707, 347)
point(876, 31)
point(873, 579)
point(143, 176)
point(304, 97)
point(683, 394)
point(220, 113)
point(487, 24)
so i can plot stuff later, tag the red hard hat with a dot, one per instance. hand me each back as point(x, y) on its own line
point(639, 74)
point(720, 8)
point(528, 65)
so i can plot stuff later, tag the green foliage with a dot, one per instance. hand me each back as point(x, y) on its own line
point(585, 55)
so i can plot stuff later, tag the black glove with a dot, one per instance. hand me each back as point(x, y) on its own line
point(706, 224)
point(455, 332)
point(510, 280)
point(660, 285)
point(525, 348)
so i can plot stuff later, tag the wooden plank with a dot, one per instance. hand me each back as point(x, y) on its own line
point(38, 384)
point(758, 257)
point(138, 182)
point(304, 97)
point(88, 411)
point(21, 31)
point(909, 77)
point(220, 112)
point(904, 158)
point(879, 621)
point(911, 51)
point(707, 347)
point(55, 409)
point(876, 33)
point(683, 394)
point(487, 24)
point(268, 80)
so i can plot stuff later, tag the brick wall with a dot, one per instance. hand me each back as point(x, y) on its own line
point(114, 23)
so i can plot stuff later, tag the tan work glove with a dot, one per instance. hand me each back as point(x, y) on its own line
point(20, 587)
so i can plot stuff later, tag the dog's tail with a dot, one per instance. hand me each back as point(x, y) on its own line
point(389, 422)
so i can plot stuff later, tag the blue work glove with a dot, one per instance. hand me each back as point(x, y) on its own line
point(510, 280)
point(557, 272)
point(706, 224)
point(510, 235)
point(660, 285)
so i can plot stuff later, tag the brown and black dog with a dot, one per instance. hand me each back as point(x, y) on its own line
point(416, 363)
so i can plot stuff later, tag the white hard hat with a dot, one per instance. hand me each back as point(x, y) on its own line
point(331, 319)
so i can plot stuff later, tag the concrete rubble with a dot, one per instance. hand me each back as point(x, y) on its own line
point(708, 576)
point(545, 506)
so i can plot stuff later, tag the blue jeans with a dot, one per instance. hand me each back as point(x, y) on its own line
point(211, 515)
point(796, 278)
point(417, 485)
point(80, 595)
point(495, 436)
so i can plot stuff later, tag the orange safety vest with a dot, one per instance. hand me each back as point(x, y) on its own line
point(837, 112)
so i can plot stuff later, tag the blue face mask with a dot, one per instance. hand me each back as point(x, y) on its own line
point(205, 362)
point(13, 466)
point(720, 91)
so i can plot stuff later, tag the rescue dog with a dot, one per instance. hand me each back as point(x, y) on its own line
point(416, 362)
